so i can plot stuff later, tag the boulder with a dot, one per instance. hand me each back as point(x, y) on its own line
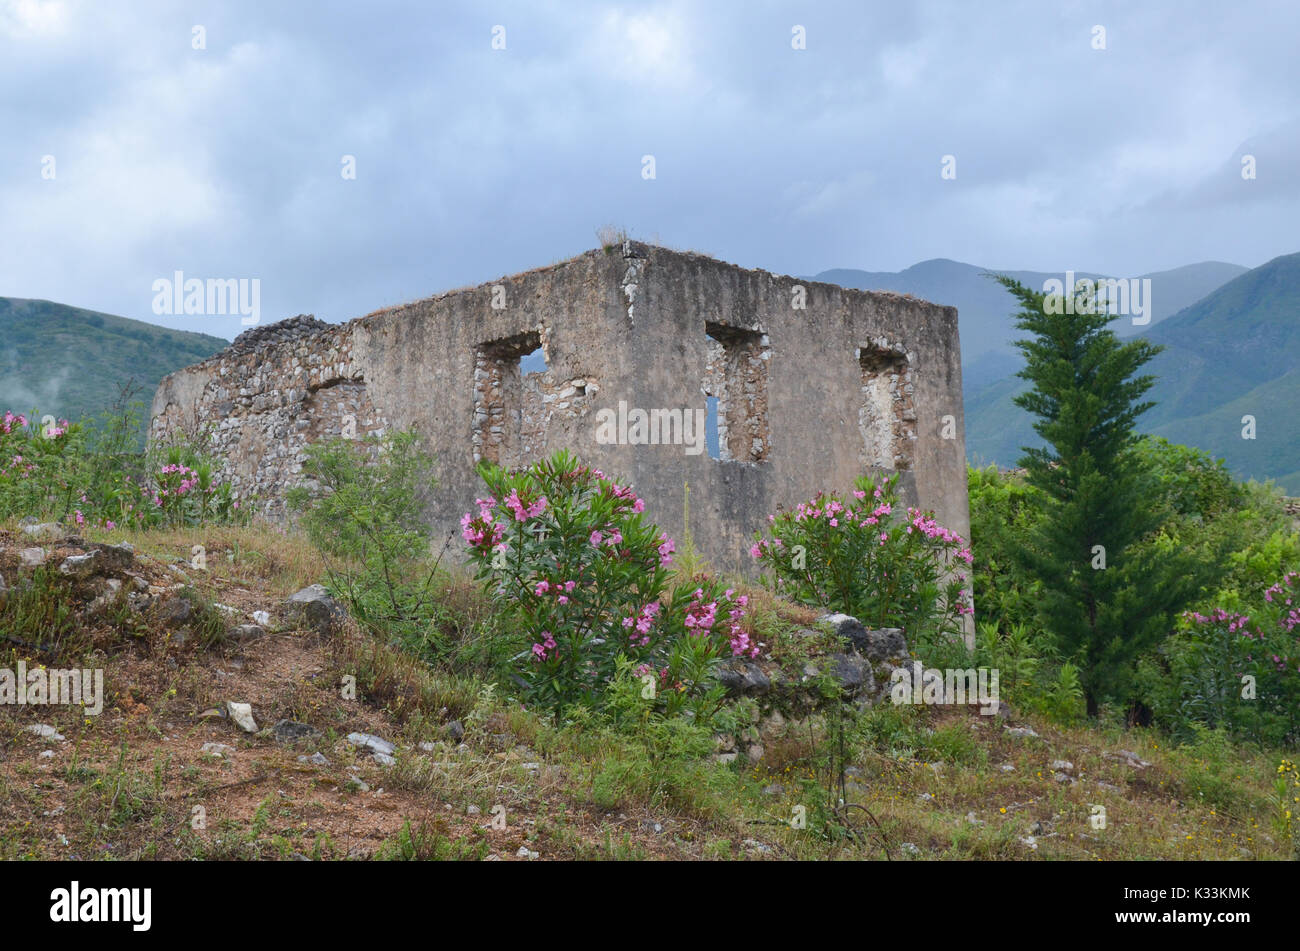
point(114, 558)
point(31, 557)
point(852, 673)
point(44, 531)
point(314, 607)
point(743, 677)
point(80, 566)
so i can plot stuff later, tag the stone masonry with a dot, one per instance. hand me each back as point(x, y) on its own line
point(812, 385)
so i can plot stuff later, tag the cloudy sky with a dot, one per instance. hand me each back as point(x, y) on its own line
point(471, 162)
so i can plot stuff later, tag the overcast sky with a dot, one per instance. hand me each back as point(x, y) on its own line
point(472, 163)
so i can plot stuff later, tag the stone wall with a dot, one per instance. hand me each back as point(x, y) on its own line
point(809, 397)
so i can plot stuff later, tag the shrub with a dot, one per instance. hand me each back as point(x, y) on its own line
point(861, 556)
point(85, 472)
point(364, 505)
point(1207, 664)
point(567, 553)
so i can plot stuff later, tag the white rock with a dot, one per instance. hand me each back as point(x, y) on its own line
point(44, 730)
point(374, 744)
point(242, 714)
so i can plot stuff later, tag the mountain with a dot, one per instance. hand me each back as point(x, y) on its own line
point(984, 306)
point(71, 362)
point(1234, 353)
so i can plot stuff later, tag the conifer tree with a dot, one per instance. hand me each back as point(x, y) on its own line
point(1110, 589)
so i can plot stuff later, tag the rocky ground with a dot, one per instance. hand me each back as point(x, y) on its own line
point(245, 716)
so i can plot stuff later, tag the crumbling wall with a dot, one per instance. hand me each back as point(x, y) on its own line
point(815, 385)
point(259, 402)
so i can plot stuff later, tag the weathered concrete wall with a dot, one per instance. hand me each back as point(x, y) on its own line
point(809, 397)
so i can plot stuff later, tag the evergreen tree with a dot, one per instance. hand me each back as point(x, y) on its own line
point(1110, 589)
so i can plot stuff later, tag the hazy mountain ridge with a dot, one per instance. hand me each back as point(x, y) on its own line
point(1234, 353)
point(69, 361)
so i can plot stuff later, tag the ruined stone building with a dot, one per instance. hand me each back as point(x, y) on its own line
point(807, 385)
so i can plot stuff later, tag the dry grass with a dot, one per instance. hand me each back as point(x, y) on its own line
point(126, 784)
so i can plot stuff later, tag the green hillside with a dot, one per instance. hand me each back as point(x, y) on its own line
point(71, 362)
point(1234, 353)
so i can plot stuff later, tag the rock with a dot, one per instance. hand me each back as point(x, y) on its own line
point(651, 826)
point(261, 617)
point(32, 557)
point(882, 645)
point(1007, 768)
point(1036, 828)
point(216, 713)
point(1004, 710)
point(756, 846)
point(242, 714)
point(472, 810)
point(852, 673)
point(374, 744)
point(850, 629)
point(909, 848)
point(1030, 841)
point(775, 789)
point(176, 612)
point(1128, 757)
point(243, 633)
point(754, 752)
point(533, 768)
point(743, 677)
point(973, 820)
point(1020, 731)
point(725, 758)
point(219, 750)
point(44, 531)
point(1061, 777)
point(107, 595)
point(455, 731)
point(524, 853)
point(383, 759)
point(114, 558)
point(1063, 764)
point(314, 607)
point(359, 783)
point(290, 731)
point(316, 759)
point(44, 731)
point(46, 754)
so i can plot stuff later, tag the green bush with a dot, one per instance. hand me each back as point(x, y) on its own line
point(364, 507)
point(568, 557)
point(864, 557)
point(91, 473)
